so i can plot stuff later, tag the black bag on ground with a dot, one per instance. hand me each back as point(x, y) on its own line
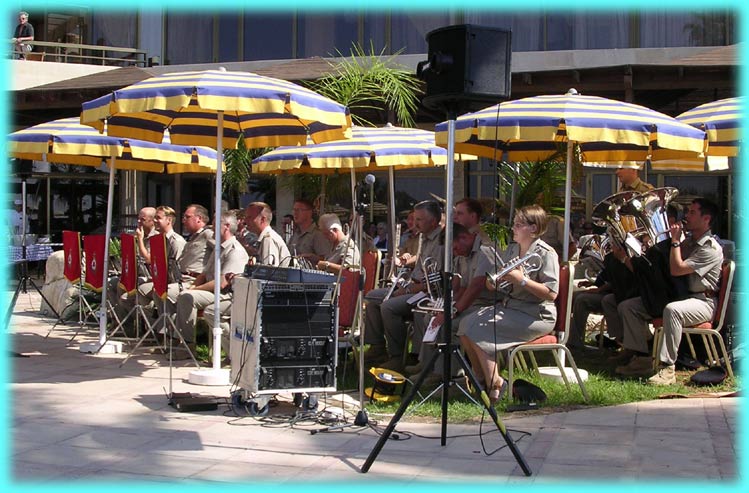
point(526, 392)
point(712, 376)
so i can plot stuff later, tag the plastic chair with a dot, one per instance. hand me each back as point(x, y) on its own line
point(710, 331)
point(554, 342)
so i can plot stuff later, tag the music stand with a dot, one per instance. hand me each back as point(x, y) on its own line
point(160, 277)
point(129, 283)
point(445, 349)
point(23, 267)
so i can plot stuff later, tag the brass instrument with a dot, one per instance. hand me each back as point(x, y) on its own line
point(402, 279)
point(392, 272)
point(435, 300)
point(288, 231)
point(615, 213)
point(651, 209)
point(530, 262)
point(593, 250)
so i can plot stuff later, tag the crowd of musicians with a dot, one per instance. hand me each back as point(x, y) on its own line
point(501, 297)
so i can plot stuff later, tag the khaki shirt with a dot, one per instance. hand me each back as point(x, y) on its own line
point(430, 248)
point(345, 253)
point(271, 249)
point(196, 252)
point(472, 266)
point(233, 258)
point(637, 186)
point(705, 256)
point(175, 245)
point(311, 240)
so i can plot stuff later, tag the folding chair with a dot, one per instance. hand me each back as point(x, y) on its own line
point(129, 283)
point(73, 272)
point(710, 331)
point(556, 341)
point(371, 264)
point(160, 277)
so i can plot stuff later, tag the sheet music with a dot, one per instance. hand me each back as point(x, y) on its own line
point(432, 330)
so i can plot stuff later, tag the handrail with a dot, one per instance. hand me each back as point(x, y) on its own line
point(97, 54)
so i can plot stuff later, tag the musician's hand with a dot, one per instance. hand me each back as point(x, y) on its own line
point(404, 258)
point(675, 231)
point(439, 319)
point(139, 233)
point(514, 276)
point(585, 284)
point(397, 262)
point(229, 276)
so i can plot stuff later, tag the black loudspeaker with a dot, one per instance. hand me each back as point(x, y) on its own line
point(22, 167)
point(468, 66)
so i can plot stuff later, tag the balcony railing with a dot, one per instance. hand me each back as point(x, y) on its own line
point(82, 53)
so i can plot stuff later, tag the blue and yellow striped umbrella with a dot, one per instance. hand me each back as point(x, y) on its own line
point(721, 122)
point(530, 129)
point(66, 141)
point(608, 132)
point(267, 112)
point(213, 108)
point(368, 149)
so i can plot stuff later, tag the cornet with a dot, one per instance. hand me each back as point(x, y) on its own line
point(531, 262)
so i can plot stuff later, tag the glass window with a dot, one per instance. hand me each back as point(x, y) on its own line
point(326, 34)
point(669, 28)
point(114, 29)
point(189, 38)
point(408, 31)
point(601, 31)
point(602, 187)
point(559, 29)
point(228, 38)
point(268, 36)
point(374, 33)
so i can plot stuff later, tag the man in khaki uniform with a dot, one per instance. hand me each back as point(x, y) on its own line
point(385, 328)
point(629, 180)
point(271, 249)
point(307, 241)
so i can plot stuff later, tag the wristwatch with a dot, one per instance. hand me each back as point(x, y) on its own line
point(675, 244)
point(523, 282)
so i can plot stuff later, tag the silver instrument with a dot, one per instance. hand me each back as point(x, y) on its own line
point(530, 262)
point(288, 231)
point(651, 209)
point(615, 213)
point(593, 249)
point(402, 279)
point(435, 300)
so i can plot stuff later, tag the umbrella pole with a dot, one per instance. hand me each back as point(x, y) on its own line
point(567, 203)
point(216, 375)
point(104, 346)
point(392, 247)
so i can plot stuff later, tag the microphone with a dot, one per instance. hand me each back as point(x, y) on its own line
point(369, 179)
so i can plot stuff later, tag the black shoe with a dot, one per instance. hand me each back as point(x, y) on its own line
point(608, 342)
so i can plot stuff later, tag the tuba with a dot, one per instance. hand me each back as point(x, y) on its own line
point(651, 209)
point(614, 213)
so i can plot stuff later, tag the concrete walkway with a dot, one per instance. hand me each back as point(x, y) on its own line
point(80, 417)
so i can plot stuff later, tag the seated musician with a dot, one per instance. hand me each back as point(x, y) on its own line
point(307, 241)
point(470, 264)
point(525, 313)
point(385, 327)
point(271, 249)
point(614, 284)
point(200, 295)
point(124, 302)
point(344, 253)
point(468, 212)
point(699, 257)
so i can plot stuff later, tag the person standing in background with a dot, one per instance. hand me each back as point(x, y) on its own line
point(21, 36)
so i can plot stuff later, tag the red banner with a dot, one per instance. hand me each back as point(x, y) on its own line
point(71, 246)
point(129, 274)
point(159, 266)
point(93, 249)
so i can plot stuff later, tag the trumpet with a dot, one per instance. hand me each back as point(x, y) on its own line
point(530, 262)
point(401, 280)
point(288, 231)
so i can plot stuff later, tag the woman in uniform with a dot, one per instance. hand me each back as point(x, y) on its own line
point(525, 312)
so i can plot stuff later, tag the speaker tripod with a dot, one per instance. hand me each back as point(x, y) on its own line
point(445, 349)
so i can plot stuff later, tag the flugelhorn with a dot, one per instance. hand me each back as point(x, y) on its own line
point(530, 262)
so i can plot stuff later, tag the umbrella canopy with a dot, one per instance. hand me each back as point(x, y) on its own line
point(606, 131)
point(368, 149)
point(720, 120)
point(268, 112)
point(212, 108)
point(66, 141)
